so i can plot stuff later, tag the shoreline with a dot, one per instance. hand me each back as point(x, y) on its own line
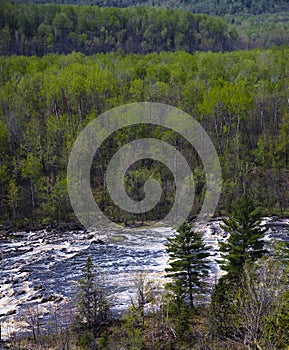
point(62, 227)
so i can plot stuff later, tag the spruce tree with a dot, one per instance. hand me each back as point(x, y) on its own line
point(188, 263)
point(93, 307)
point(245, 243)
point(244, 246)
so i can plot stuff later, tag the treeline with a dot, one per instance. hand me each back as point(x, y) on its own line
point(240, 98)
point(211, 7)
point(38, 30)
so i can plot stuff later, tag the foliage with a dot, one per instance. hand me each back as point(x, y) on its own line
point(263, 30)
point(145, 291)
point(245, 242)
point(240, 99)
point(188, 264)
point(93, 308)
point(211, 7)
point(250, 312)
point(29, 29)
point(38, 30)
point(243, 247)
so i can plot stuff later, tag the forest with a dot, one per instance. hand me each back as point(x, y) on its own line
point(240, 98)
point(211, 7)
point(37, 30)
point(28, 29)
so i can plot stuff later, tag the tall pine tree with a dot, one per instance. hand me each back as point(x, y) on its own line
point(188, 263)
point(244, 246)
point(245, 243)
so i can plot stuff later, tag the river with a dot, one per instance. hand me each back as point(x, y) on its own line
point(41, 269)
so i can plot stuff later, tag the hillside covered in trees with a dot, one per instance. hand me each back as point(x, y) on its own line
point(30, 29)
point(240, 98)
point(211, 7)
point(38, 30)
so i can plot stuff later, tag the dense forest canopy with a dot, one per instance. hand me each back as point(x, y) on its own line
point(37, 30)
point(212, 7)
point(29, 29)
point(240, 98)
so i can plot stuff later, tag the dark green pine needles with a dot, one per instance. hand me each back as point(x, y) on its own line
point(245, 243)
point(188, 263)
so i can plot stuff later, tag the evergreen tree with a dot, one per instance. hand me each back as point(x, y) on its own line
point(244, 246)
point(245, 243)
point(93, 307)
point(188, 265)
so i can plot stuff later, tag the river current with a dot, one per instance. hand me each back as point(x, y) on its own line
point(41, 269)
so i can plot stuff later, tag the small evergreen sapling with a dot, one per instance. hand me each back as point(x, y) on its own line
point(93, 307)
